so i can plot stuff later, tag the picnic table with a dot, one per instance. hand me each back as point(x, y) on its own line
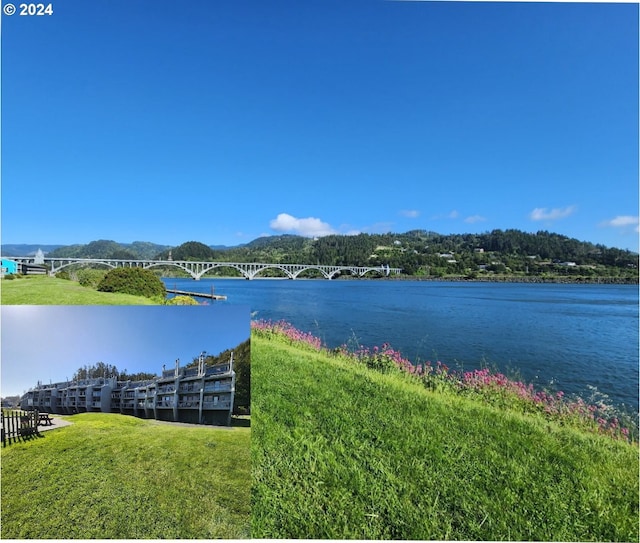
point(44, 419)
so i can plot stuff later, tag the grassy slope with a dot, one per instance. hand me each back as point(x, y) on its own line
point(113, 476)
point(342, 452)
point(39, 290)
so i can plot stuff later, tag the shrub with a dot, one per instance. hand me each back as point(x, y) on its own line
point(90, 278)
point(136, 281)
point(10, 276)
point(181, 300)
point(63, 275)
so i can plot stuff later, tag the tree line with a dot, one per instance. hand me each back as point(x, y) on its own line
point(418, 252)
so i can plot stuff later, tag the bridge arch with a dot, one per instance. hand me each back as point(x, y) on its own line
point(374, 270)
point(255, 270)
point(215, 265)
point(337, 270)
point(85, 265)
point(170, 263)
point(303, 269)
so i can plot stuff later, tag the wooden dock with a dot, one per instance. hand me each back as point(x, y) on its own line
point(211, 296)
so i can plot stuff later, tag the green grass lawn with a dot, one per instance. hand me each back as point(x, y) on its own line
point(114, 476)
point(339, 451)
point(44, 290)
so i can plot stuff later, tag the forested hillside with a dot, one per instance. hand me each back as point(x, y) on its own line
point(424, 253)
point(418, 253)
point(109, 249)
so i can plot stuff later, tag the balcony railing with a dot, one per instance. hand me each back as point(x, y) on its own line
point(217, 370)
point(218, 386)
point(190, 387)
point(166, 388)
point(189, 404)
point(218, 405)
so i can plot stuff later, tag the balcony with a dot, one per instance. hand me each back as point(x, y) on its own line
point(218, 370)
point(190, 387)
point(218, 386)
point(191, 401)
point(216, 405)
point(166, 388)
point(191, 372)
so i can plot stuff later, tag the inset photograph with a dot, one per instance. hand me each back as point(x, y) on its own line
point(126, 422)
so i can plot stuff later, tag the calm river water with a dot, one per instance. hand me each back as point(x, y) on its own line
point(565, 337)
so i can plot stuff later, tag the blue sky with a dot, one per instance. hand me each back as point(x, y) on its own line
point(49, 343)
point(221, 121)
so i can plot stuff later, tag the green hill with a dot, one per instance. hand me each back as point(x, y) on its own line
point(340, 451)
point(109, 249)
point(494, 255)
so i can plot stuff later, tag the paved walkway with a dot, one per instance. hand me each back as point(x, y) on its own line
point(56, 423)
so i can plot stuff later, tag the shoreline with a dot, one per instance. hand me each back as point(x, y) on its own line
point(515, 279)
point(454, 279)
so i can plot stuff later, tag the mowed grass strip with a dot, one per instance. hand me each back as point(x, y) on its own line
point(341, 452)
point(44, 290)
point(113, 476)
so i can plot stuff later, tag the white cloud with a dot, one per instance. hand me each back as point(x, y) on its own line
point(544, 214)
point(410, 213)
point(453, 215)
point(310, 226)
point(624, 221)
point(475, 218)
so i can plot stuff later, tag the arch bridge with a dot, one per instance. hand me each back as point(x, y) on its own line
point(249, 270)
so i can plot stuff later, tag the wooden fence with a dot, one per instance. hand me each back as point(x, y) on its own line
point(18, 425)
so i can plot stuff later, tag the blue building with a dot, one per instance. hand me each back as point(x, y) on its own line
point(8, 267)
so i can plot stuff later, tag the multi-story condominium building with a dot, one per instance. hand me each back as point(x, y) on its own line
point(200, 395)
